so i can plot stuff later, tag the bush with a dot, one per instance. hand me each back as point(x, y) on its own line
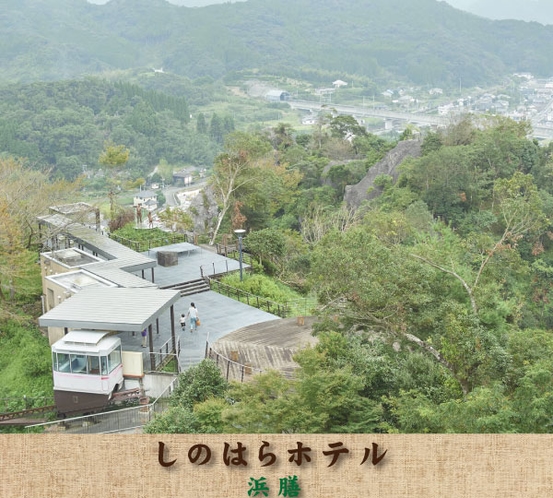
point(175, 420)
point(262, 286)
point(142, 240)
point(25, 361)
point(199, 383)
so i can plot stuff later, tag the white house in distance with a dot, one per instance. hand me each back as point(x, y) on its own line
point(183, 176)
point(339, 83)
point(147, 198)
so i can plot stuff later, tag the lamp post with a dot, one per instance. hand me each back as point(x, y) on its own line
point(240, 232)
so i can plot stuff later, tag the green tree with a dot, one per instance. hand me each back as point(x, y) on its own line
point(235, 169)
point(166, 171)
point(25, 194)
point(174, 420)
point(113, 157)
point(201, 124)
point(216, 130)
point(268, 244)
point(176, 219)
point(345, 126)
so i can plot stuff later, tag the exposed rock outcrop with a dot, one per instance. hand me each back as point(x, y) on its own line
point(356, 194)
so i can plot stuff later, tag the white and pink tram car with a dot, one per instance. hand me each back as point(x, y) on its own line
point(88, 369)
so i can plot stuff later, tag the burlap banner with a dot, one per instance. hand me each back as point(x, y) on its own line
point(305, 466)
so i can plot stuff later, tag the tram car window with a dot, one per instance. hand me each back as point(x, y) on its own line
point(114, 359)
point(93, 365)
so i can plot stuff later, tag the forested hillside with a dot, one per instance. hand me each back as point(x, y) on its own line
point(419, 41)
point(435, 297)
point(62, 127)
point(434, 309)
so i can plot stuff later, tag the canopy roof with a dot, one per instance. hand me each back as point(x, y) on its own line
point(114, 309)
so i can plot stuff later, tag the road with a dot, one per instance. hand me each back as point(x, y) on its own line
point(370, 112)
point(170, 195)
point(539, 131)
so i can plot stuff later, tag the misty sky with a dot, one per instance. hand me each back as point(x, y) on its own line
point(526, 10)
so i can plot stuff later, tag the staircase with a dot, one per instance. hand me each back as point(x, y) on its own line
point(192, 287)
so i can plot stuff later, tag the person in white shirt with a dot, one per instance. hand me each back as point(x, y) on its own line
point(193, 315)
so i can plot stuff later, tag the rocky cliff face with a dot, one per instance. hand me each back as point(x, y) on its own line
point(204, 209)
point(365, 189)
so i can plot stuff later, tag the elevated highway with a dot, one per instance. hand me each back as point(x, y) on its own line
point(540, 131)
point(423, 119)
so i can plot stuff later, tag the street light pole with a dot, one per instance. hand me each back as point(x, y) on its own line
point(240, 232)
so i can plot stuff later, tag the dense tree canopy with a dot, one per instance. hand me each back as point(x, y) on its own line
point(62, 127)
point(434, 311)
point(25, 194)
point(433, 298)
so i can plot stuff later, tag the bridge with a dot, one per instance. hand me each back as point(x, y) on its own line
point(540, 130)
point(423, 119)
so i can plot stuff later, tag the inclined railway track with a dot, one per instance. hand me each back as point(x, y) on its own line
point(8, 418)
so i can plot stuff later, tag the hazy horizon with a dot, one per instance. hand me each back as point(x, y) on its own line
point(520, 10)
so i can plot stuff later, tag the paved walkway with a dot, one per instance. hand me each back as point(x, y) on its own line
point(219, 314)
point(191, 264)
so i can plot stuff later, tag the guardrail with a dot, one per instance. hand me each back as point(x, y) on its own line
point(261, 303)
point(302, 307)
point(166, 352)
point(213, 269)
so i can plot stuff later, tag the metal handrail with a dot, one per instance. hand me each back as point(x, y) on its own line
point(261, 303)
point(138, 415)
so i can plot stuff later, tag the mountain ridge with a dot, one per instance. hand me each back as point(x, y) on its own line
point(425, 42)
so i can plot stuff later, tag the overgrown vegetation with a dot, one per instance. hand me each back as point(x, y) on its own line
point(434, 309)
point(141, 240)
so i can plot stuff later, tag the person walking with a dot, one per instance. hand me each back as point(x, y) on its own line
point(144, 334)
point(193, 315)
point(182, 322)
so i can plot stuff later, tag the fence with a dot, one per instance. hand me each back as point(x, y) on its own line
point(300, 307)
point(261, 303)
point(119, 420)
point(215, 269)
point(166, 353)
point(230, 369)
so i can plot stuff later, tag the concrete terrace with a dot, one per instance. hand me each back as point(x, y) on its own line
point(219, 314)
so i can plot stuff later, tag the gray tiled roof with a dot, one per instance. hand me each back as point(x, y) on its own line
point(111, 270)
point(116, 308)
point(99, 244)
